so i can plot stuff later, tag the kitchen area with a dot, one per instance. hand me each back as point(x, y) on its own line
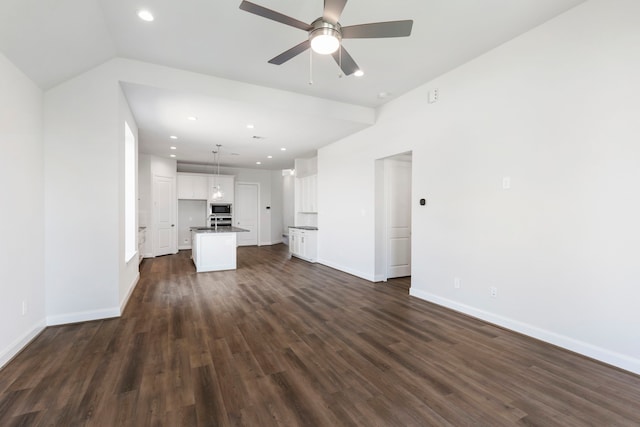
point(206, 221)
point(212, 215)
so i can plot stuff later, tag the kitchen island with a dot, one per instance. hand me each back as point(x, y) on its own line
point(214, 248)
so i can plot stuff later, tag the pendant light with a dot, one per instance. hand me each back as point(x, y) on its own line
point(217, 190)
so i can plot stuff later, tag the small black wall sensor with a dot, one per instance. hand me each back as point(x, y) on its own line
point(423, 202)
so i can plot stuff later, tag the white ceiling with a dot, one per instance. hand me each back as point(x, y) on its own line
point(53, 41)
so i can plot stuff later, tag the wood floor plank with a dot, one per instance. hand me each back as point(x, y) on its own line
point(281, 342)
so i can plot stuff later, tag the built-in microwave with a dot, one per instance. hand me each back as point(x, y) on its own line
point(220, 209)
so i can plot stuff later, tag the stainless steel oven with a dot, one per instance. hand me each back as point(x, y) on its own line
point(220, 221)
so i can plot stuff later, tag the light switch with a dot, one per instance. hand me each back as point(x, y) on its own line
point(433, 96)
point(506, 182)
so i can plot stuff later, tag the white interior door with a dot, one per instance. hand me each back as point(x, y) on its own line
point(164, 206)
point(398, 195)
point(246, 213)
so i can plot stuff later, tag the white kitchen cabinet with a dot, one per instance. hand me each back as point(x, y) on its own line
point(194, 247)
point(193, 186)
point(294, 239)
point(303, 244)
point(214, 251)
point(227, 187)
point(142, 238)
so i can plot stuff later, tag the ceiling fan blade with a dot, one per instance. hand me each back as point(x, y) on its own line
point(287, 55)
point(273, 15)
point(332, 10)
point(347, 63)
point(378, 30)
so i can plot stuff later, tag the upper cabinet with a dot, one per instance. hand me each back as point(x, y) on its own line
point(227, 188)
point(308, 194)
point(192, 186)
point(199, 186)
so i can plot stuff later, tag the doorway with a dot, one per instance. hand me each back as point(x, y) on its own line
point(393, 217)
point(164, 215)
point(247, 214)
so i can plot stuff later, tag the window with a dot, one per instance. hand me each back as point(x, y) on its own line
point(130, 231)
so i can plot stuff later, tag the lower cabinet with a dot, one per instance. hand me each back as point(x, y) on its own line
point(214, 251)
point(142, 238)
point(303, 244)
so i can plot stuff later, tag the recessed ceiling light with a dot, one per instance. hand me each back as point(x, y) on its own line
point(145, 15)
point(192, 118)
point(173, 137)
point(172, 155)
point(258, 163)
point(383, 95)
point(269, 157)
point(283, 149)
point(173, 148)
point(359, 73)
point(250, 126)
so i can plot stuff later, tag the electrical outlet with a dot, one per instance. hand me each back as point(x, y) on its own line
point(24, 307)
point(493, 291)
point(456, 282)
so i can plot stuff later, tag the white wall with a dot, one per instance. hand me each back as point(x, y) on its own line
point(82, 198)
point(144, 200)
point(288, 202)
point(22, 222)
point(191, 213)
point(557, 111)
point(277, 205)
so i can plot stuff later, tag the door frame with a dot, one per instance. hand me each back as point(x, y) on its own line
point(154, 214)
point(381, 220)
point(258, 210)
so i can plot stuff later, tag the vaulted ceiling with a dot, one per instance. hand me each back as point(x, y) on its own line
point(57, 40)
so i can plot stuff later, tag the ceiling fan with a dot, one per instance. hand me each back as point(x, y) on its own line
point(326, 33)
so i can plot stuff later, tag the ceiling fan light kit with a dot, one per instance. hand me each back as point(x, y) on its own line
point(325, 38)
point(325, 34)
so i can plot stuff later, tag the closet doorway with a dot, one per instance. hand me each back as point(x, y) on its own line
point(393, 217)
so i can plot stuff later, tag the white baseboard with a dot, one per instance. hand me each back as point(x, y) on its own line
point(15, 347)
point(380, 278)
point(184, 247)
point(621, 361)
point(125, 300)
point(351, 271)
point(270, 243)
point(83, 316)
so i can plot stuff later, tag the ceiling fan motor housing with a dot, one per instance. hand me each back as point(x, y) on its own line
point(325, 37)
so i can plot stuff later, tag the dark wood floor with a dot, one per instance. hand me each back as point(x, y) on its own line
point(285, 342)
